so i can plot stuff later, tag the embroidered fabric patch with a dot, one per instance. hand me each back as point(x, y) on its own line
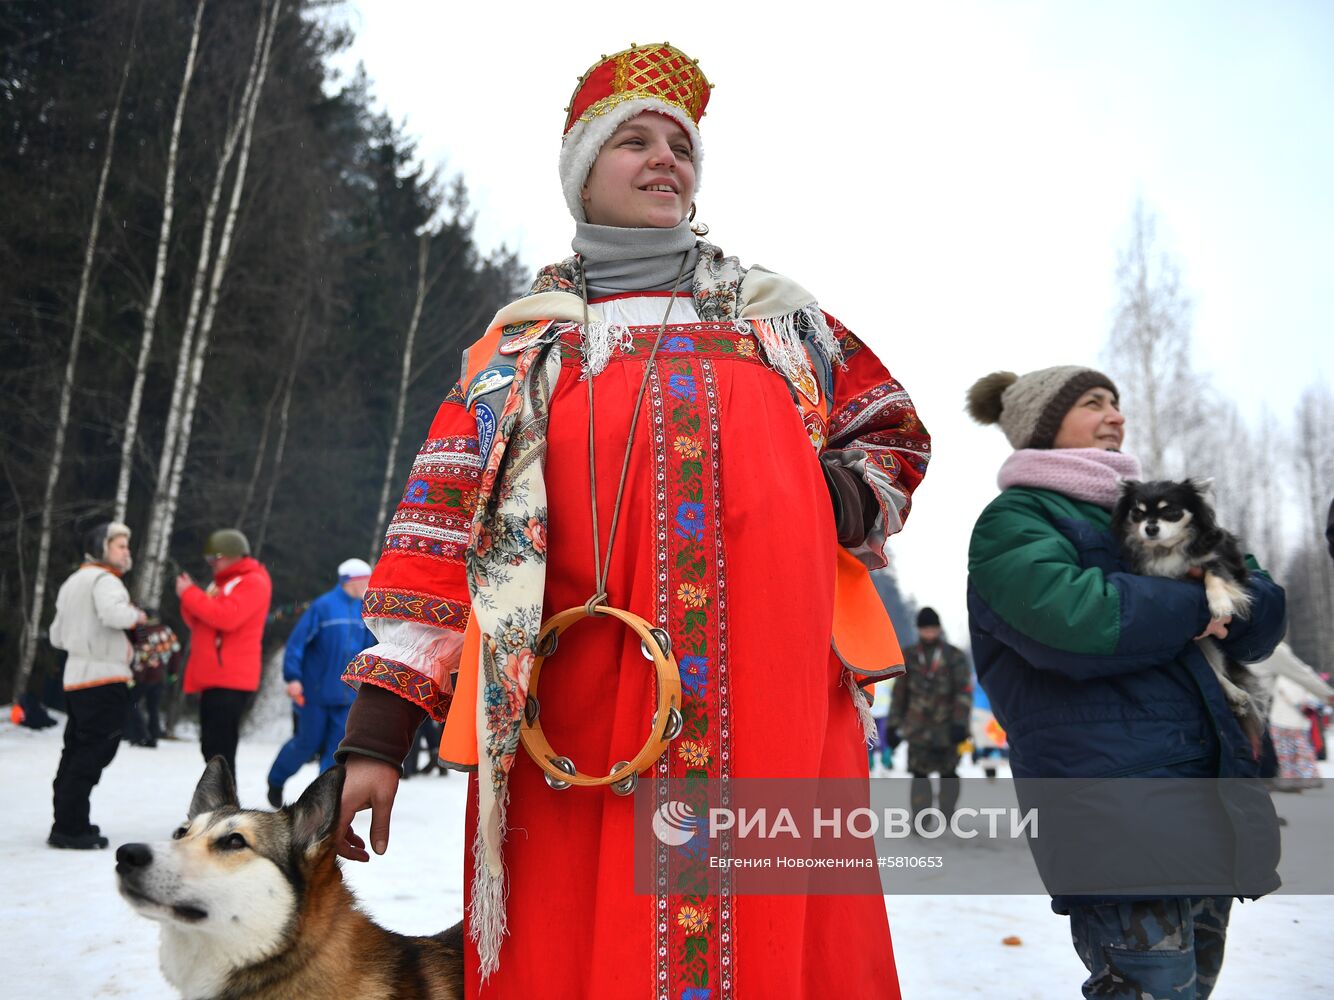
point(521, 336)
point(496, 377)
point(486, 427)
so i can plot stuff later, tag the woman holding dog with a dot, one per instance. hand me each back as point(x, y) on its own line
point(1094, 673)
point(654, 429)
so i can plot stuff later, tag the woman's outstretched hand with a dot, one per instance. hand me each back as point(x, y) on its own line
point(369, 783)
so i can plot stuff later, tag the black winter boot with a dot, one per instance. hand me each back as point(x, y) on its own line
point(89, 840)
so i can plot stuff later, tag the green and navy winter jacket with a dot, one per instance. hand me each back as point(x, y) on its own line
point(1092, 670)
point(1094, 673)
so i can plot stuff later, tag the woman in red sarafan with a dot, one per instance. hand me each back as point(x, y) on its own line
point(770, 456)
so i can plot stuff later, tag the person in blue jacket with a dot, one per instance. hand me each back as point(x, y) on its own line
point(1095, 673)
point(326, 639)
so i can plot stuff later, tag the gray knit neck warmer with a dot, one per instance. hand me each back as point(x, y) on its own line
point(620, 260)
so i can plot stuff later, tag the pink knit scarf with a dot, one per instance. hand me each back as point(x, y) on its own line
point(1089, 474)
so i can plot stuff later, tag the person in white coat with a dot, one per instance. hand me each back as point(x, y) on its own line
point(1288, 684)
point(93, 611)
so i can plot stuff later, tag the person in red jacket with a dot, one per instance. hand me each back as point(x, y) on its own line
point(226, 624)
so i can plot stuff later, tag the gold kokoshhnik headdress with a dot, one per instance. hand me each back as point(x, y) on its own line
point(615, 89)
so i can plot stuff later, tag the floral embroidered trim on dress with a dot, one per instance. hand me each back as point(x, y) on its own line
point(693, 911)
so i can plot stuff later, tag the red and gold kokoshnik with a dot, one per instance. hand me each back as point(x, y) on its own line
point(661, 72)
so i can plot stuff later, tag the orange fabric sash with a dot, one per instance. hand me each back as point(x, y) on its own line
point(458, 741)
point(864, 637)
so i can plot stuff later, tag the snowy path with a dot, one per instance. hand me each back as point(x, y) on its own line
point(69, 934)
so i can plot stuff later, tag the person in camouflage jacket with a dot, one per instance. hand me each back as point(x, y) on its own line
point(930, 708)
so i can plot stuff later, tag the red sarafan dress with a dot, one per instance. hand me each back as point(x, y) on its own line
point(726, 539)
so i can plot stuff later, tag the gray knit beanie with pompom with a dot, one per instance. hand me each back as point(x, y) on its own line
point(1030, 408)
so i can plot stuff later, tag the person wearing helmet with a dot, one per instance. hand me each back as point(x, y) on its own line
point(326, 639)
point(226, 623)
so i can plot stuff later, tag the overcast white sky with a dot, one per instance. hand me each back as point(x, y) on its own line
point(952, 180)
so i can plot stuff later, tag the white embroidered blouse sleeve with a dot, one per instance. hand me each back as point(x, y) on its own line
point(432, 652)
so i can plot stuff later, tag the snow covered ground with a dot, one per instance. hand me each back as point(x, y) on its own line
point(69, 934)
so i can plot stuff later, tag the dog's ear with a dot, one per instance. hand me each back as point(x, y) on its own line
point(216, 789)
point(1121, 509)
point(1204, 487)
point(316, 812)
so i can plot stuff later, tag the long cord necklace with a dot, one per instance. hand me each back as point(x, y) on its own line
point(655, 643)
point(601, 566)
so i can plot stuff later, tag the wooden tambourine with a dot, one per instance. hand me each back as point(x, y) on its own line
point(667, 721)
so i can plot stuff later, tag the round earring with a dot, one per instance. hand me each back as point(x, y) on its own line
point(698, 228)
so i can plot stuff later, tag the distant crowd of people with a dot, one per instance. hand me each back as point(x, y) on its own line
point(120, 658)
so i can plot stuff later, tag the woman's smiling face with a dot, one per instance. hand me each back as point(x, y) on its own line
point(643, 177)
point(1094, 421)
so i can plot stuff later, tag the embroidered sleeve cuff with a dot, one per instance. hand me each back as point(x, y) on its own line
point(888, 498)
point(400, 679)
point(411, 606)
point(855, 506)
point(431, 652)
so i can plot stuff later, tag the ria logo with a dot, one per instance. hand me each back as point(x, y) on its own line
point(674, 823)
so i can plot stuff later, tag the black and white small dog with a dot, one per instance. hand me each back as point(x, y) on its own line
point(1168, 529)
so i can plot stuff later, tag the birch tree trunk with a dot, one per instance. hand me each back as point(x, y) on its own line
point(159, 277)
point(281, 446)
point(400, 408)
point(32, 628)
point(260, 452)
point(150, 580)
point(220, 263)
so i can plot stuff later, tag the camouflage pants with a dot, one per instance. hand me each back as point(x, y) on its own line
point(923, 759)
point(1161, 949)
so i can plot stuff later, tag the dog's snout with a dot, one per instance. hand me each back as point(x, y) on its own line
point(1151, 529)
point(130, 856)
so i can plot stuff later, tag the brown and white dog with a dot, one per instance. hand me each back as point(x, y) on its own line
point(253, 906)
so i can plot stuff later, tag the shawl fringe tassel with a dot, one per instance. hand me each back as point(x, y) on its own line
point(781, 340)
point(863, 708)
